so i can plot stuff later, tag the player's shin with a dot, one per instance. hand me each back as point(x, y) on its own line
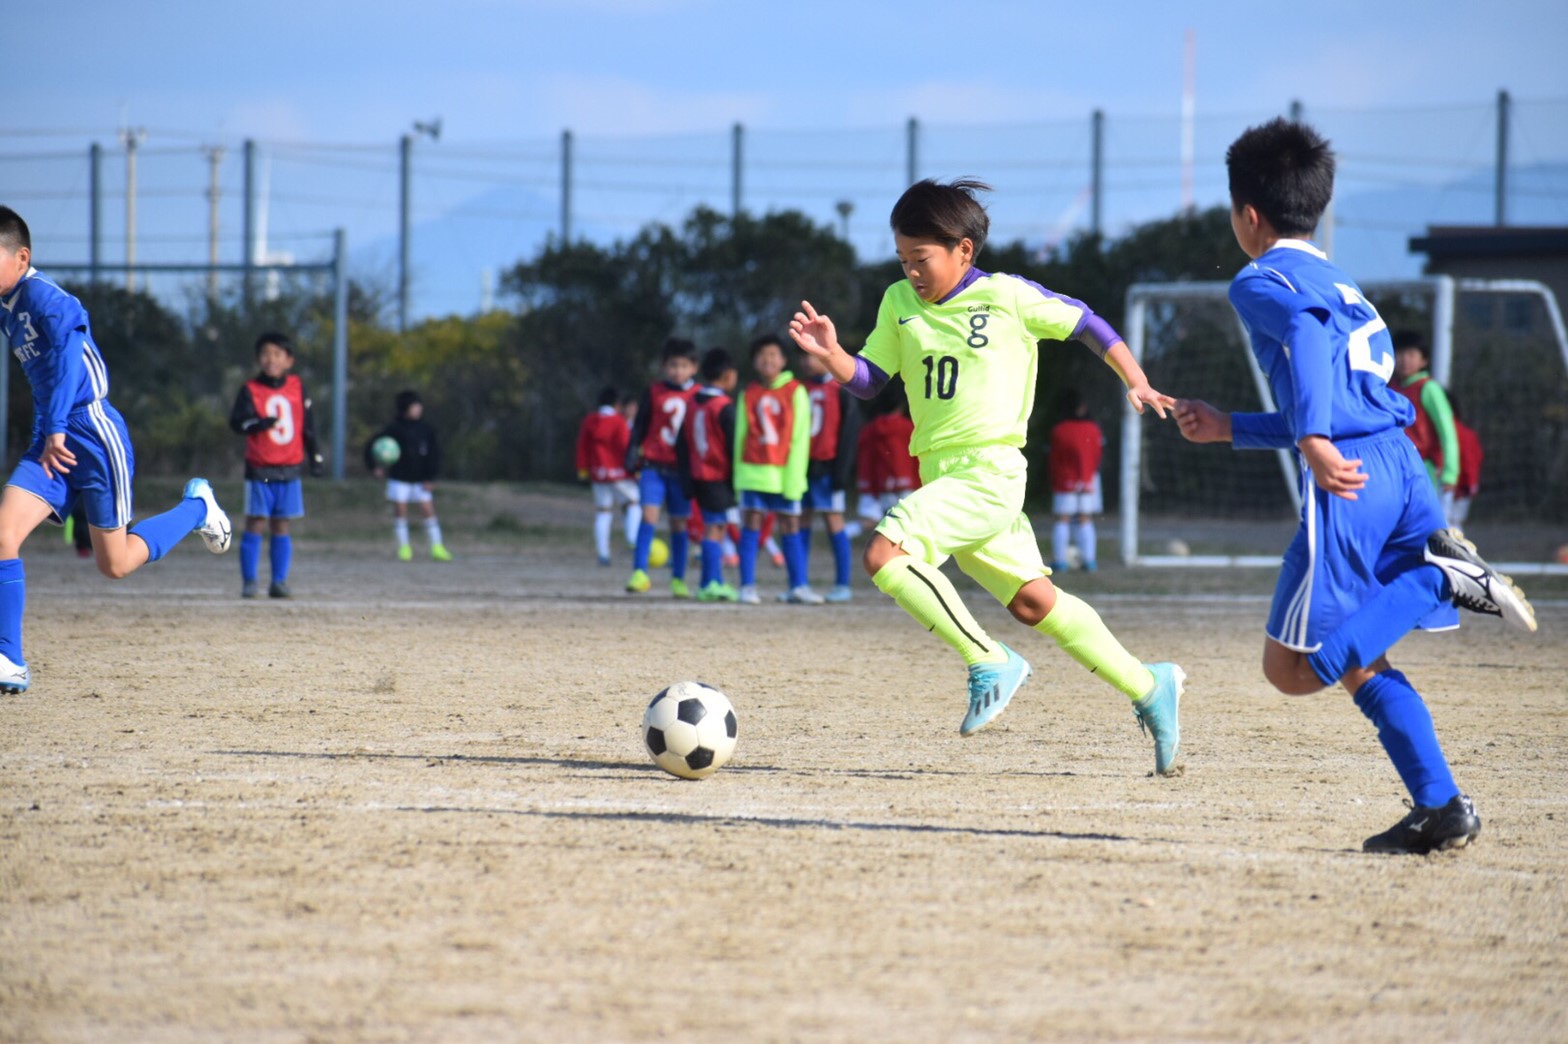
point(1404, 728)
point(925, 594)
point(161, 532)
point(1078, 629)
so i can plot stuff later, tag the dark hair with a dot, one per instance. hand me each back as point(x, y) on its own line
point(273, 337)
point(946, 213)
point(716, 362)
point(608, 396)
point(1408, 338)
point(761, 341)
point(13, 231)
point(1285, 170)
point(406, 398)
point(678, 348)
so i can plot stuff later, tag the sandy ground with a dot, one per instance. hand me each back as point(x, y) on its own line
point(412, 804)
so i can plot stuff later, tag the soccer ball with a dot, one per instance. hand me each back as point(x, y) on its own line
point(658, 553)
point(690, 729)
point(385, 451)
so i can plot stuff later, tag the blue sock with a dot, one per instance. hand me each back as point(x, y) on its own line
point(282, 555)
point(161, 532)
point(712, 563)
point(680, 548)
point(644, 541)
point(805, 550)
point(250, 555)
point(841, 556)
point(13, 599)
point(1373, 629)
point(1404, 727)
point(794, 548)
point(750, 540)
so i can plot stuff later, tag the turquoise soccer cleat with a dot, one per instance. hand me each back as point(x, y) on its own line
point(1157, 713)
point(991, 688)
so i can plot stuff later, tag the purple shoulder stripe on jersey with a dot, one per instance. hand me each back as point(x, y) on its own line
point(1091, 330)
point(963, 284)
point(867, 381)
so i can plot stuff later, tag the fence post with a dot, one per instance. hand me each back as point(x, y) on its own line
point(339, 349)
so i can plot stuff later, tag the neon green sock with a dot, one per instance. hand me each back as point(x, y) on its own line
point(1078, 629)
point(924, 593)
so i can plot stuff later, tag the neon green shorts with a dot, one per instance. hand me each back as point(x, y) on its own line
point(970, 509)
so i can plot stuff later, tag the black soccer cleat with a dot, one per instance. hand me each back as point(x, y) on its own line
point(1424, 830)
point(1477, 586)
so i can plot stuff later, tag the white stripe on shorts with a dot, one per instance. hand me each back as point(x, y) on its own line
point(119, 470)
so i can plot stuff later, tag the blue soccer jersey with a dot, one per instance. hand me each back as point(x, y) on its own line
point(1326, 351)
point(50, 336)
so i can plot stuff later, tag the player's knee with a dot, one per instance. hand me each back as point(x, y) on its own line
point(1033, 602)
point(878, 553)
point(114, 568)
point(1291, 676)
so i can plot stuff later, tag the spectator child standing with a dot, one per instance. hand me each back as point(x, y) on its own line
point(886, 472)
point(274, 414)
point(835, 433)
point(1075, 450)
point(411, 479)
point(602, 441)
point(705, 455)
point(1433, 430)
point(772, 449)
point(661, 413)
point(80, 448)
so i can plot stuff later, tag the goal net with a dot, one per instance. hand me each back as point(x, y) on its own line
point(1498, 346)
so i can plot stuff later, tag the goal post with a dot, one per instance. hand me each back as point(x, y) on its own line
point(1184, 505)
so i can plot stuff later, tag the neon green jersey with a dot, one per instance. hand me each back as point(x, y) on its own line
point(969, 362)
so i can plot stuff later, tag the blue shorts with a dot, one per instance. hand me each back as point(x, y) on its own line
point(1346, 551)
point(282, 498)
point(821, 496)
point(751, 500)
point(661, 487)
point(101, 479)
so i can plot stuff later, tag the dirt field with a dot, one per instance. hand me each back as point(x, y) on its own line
point(412, 804)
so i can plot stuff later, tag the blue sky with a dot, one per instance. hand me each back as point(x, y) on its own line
point(651, 87)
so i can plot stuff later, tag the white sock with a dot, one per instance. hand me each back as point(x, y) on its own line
point(1060, 540)
point(633, 519)
point(1086, 542)
point(400, 531)
point(603, 522)
point(433, 530)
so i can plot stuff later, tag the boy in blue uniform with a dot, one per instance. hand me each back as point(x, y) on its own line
point(1371, 560)
point(80, 448)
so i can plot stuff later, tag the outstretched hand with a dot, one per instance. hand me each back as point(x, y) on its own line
point(1141, 395)
point(814, 332)
point(1330, 470)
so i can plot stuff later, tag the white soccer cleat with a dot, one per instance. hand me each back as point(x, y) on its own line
point(1477, 586)
point(804, 595)
point(215, 528)
point(13, 678)
point(749, 595)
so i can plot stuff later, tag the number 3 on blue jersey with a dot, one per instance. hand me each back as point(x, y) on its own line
point(1361, 337)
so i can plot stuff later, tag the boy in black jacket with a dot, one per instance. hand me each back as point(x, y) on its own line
point(411, 475)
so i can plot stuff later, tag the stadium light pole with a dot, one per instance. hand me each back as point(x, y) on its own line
point(94, 211)
point(405, 154)
point(844, 207)
point(131, 138)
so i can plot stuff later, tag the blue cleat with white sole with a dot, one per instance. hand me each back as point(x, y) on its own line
point(1157, 713)
point(991, 688)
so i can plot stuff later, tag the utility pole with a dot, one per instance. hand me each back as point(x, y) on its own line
point(214, 193)
point(566, 188)
point(737, 165)
point(95, 208)
point(1096, 169)
point(845, 208)
point(912, 151)
point(1500, 202)
point(405, 157)
point(131, 138)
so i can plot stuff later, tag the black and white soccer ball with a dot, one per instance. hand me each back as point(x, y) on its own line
point(690, 729)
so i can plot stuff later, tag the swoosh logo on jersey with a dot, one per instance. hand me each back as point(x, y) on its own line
point(912, 318)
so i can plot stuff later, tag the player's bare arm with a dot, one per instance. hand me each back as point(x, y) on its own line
point(815, 335)
point(55, 457)
point(1331, 471)
point(1139, 393)
point(1200, 422)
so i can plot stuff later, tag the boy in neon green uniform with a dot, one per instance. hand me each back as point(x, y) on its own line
point(965, 343)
